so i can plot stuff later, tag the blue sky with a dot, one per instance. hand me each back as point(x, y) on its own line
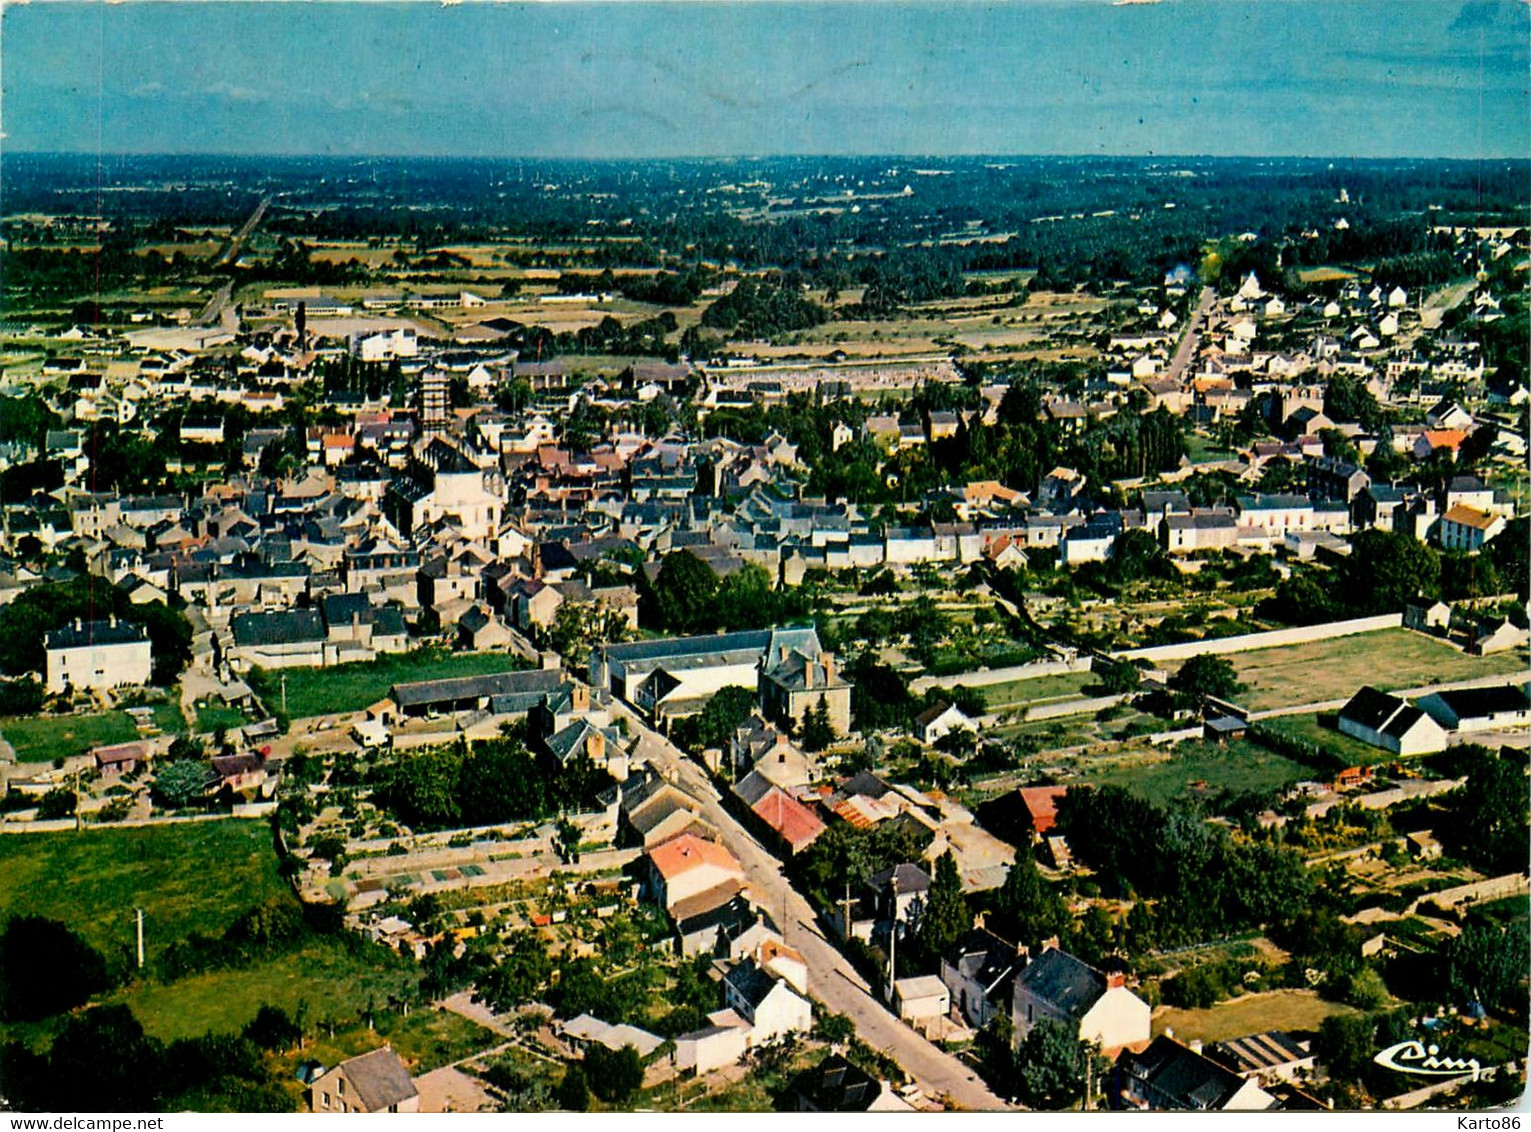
point(1341, 78)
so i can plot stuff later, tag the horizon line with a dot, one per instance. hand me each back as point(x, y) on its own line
point(792, 156)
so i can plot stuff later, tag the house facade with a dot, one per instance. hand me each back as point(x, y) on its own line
point(98, 654)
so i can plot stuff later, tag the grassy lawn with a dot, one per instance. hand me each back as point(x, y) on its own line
point(213, 716)
point(352, 687)
point(1334, 669)
point(426, 1038)
point(43, 738)
point(1249, 1014)
point(196, 876)
point(1349, 750)
point(324, 980)
point(1015, 692)
point(1162, 775)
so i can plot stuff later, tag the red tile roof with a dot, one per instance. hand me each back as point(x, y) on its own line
point(1041, 803)
point(794, 821)
point(681, 854)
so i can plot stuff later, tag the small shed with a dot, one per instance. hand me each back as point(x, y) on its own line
point(922, 997)
point(1221, 728)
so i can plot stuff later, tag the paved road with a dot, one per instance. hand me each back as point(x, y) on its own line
point(834, 981)
point(1192, 337)
point(218, 309)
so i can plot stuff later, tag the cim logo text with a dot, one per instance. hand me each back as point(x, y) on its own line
point(1416, 1057)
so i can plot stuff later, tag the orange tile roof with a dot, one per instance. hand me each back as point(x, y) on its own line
point(796, 824)
point(1444, 437)
point(1041, 803)
point(681, 854)
point(1466, 516)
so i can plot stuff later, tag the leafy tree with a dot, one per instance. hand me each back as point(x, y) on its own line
point(181, 783)
point(60, 802)
point(1027, 909)
point(580, 626)
point(1050, 1067)
point(715, 724)
point(1118, 677)
point(818, 731)
point(1489, 818)
point(45, 968)
point(880, 698)
point(946, 917)
point(273, 1029)
point(21, 697)
point(1345, 1046)
point(1206, 675)
point(683, 593)
point(1386, 569)
point(573, 1093)
point(745, 599)
point(1488, 963)
point(614, 1075)
point(127, 1081)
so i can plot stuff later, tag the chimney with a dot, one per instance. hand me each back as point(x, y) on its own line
point(596, 745)
point(828, 660)
point(808, 675)
point(581, 697)
point(77, 626)
point(1116, 979)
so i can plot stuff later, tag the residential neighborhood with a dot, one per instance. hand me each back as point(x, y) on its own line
point(760, 634)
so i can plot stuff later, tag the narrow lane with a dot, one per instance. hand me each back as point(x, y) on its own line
point(833, 981)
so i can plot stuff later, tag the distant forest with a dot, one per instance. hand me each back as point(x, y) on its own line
point(901, 230)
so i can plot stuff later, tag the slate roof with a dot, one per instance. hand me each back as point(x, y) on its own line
point(750, 982)
point(911, 878)
point(731, 917)
point(1179, 1078)
point(90, 634)
point(835, 1085)
point(1068, 984)
point(982, 956)
point(1479, 703)
point(1257, 1052)
point(292, 627)
point(534, 682)
point(1371, 708)
point(379, 1078)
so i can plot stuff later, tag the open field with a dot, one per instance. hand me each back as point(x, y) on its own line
point(1160, 775)
point(1334, 669)
point(43, 738)
point(194, 876)
point(324, 978)
point(1249, 1014)
point(352, 687)
point(1040, 688)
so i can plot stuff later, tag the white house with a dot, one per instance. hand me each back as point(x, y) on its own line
point(98, 654)
point(1466, 528)
point(1479, 709)
point(721, 1042)
point(1385, 721)
point(942, 719)
point(687, 866)
point(767, 1003)
point(1089, 1004)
